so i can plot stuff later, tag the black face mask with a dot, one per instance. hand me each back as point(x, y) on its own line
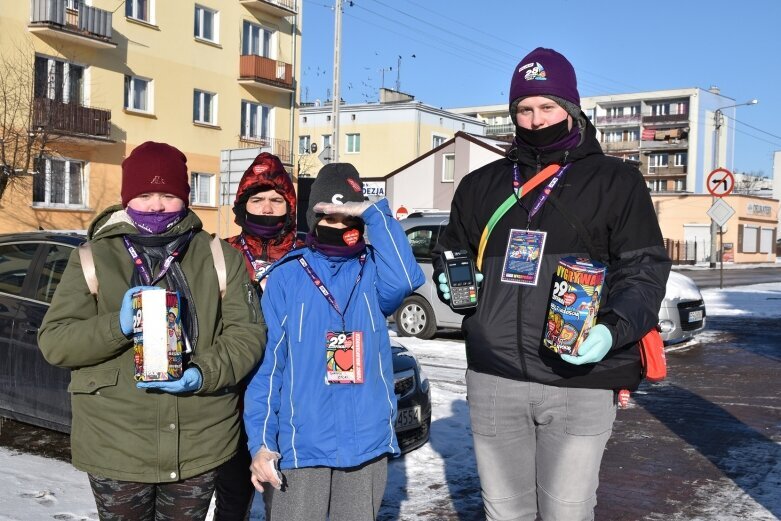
point(544, 136)
point(335, 236)
point(265, 220)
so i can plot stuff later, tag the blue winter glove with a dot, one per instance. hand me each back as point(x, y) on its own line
point(190, 382)
point(444, 289)
point(594, 348)
point(126, 314)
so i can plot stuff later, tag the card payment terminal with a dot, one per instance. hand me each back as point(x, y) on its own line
point(460, 273)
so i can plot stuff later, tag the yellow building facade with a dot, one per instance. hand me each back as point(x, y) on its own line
point(202, 76)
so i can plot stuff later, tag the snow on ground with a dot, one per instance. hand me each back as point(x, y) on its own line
point(425, 480)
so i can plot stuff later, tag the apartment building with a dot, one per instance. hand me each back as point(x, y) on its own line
point(378, 137)
point(106, 76)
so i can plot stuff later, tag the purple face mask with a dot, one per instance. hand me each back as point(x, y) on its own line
point(153, 223)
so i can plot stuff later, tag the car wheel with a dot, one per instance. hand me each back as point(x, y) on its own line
point(415, 317)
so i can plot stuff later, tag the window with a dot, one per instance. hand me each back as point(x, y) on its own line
point(58, 182)
point(138, 94)
point(304, 142)
point(437, 140)
point(633, 157)
point(202, 189)
point(422, 241)
point(353, 143)
point(657, 160)
point(53, 267)
point(204, 107)
point(680, 185)
point(748, 239)
point(681, 159)
point(15, 261)
point(766, 240)
point(326, 140)
point(257, 41)
point(58, 80)
point(658, 185)
point(206, 23)
point(254, 120)
point(448, 167)
point(660, 109)
point(140, 10)
point(73, 4)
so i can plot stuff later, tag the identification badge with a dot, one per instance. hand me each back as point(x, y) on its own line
point(260, 268)
point(344, 357)
point(523, 257)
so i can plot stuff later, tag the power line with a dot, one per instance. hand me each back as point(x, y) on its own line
point(755, 128)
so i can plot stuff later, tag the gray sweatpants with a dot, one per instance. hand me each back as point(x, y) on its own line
point(320, 493)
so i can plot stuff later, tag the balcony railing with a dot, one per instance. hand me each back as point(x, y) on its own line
point(620, 145)
point(276, 7)
point(499, 130)
point(618, 120)
point(265, 70)
point(85, 21)
point(57, 117)
point(666, 170)
point(279, 147)
point(668, 118)
point(668, 144)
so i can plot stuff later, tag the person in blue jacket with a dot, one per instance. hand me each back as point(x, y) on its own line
point(320, 410)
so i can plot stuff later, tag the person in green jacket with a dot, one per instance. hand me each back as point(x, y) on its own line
point(152, 449)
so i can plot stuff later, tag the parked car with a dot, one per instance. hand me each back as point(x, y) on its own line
point(681, 316)
point(33, 391)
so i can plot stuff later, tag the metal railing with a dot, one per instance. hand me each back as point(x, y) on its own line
point(275, 72)
point(290, 5)
point(279, 147)
point(615, 146)
point(499, 130)
point(70, 118)
point(87, 20)
point(618, 120)
point(667, 118)
point(681, 252)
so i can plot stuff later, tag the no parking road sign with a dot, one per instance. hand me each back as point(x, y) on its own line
point(720, 182)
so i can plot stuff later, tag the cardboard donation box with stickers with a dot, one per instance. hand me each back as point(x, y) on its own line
point(157, 335)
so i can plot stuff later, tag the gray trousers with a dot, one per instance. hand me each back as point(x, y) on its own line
point(320, 493)
point(538, 448)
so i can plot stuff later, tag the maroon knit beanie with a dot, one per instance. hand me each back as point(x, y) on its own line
point(155, 167)
point(544, 72)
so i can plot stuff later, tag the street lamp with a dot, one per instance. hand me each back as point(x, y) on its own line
point(717, 122)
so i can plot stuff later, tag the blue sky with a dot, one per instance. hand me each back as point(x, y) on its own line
point(465, 52)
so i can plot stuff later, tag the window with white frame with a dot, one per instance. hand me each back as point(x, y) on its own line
point(680, 185)
point(353, 143)
point(749, 238)
point(58, 80)
point(766, 240)
point(326, 140)
point(255, 120)
point(207, 22)
point(304, 142)
point(660, 109)
point(204, 107)
point(448, 167)
point(138, 94)
point(202, 189)
point(681, 159)
point(657, 160)
point(658, 185)
point(257, 40)
point(437, 140)
point(633, 157)
point(59, 182)
point(140, 10)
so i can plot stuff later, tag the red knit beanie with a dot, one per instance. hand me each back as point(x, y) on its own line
point(155, 167)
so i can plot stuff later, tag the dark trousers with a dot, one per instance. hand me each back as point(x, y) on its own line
point(233, 488)
point(130, 501)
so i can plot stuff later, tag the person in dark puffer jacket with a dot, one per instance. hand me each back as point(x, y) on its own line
point(541, 420)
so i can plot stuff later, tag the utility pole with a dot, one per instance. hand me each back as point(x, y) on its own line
point(336, 98)
point(714, 228)
point(398, 75)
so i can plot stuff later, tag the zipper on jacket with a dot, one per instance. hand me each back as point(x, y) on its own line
point(251, 294)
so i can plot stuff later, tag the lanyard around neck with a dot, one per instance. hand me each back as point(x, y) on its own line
point(143, 270)
point(521, 190)
point(319, 284)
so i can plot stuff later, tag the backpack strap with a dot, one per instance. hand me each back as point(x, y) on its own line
point(219, 264)
point(88, 267)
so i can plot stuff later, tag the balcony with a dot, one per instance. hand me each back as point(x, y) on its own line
point(620, 146)
point(633, 119)
point(279, 147)
point(670, 144)
point(263, 72)
point(86, 25)
point(71, 119)
point(666, 119)
point(500, 130)
point(666, 171)
point(273, 7)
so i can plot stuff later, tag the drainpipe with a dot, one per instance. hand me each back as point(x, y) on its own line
point(297, 84)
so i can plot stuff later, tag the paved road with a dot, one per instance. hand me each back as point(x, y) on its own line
point(709, 278)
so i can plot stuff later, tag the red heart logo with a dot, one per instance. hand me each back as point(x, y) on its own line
point(350, 237)
point(343, 359)
point(569, 298)
point(259, 169)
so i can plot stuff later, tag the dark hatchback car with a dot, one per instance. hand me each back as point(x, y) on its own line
point(33, 391)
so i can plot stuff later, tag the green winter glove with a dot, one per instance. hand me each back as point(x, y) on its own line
point(444, 288)
point(594, 348)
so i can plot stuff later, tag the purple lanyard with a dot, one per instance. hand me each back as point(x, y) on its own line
point(245, 249)
point(545, 191)
point(327, 294)
point(143, 271)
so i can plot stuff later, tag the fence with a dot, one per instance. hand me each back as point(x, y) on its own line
point(681, 252)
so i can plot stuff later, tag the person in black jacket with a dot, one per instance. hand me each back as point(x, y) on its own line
point(540, 419)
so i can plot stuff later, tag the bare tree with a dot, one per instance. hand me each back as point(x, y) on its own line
point(748, 183)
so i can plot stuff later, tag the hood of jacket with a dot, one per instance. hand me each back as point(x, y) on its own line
point(253, 182)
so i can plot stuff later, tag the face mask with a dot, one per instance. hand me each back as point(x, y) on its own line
point(153, 223)
point(349, 236)
point(544, 136)
point(264, 226)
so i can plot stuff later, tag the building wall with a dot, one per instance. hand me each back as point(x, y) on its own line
point(167, 52)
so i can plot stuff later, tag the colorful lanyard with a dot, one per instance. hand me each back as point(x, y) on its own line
point(246, 250)
point(143, 271)
point(518, 192)
point(324, 290)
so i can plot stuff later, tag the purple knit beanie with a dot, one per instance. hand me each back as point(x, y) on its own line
point(544, 72)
